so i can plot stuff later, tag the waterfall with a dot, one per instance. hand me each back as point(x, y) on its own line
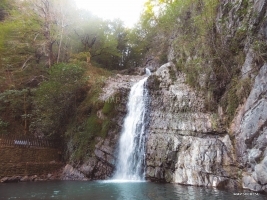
point(131, 155)
point(148, 72)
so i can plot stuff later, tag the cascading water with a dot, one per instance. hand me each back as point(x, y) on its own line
point(131, 155)
point(148, 72)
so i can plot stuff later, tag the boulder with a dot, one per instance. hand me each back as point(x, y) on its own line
point(70, 173)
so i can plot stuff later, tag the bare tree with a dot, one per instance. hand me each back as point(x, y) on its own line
point(53, 19)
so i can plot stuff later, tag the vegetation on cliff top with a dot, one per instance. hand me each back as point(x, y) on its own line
point(211, 57)
point(46, 49)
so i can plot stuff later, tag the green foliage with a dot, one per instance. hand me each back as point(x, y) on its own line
point(90, 125)
point(93, 125)
point(232, 102)
point(243, 88)
point(172, 74)
point(237, 93)
point(15, 110)
point(188, 23)
point(14, 99)
point(260, 49)
point(108, 107)
point(193, 70)
point(3, 126)
point(36, 34)
point(106, 126)
point(84, 139)
point(109, 110)
point(211, 64)
point(17, 48)
point(243, 11)
point(153, 82)
point(5, 6)
point(66, 75)
point(163, 58)
point(82, 56)
point(56, 99)
point(107, 41)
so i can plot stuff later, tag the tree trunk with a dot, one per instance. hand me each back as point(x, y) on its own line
point(51, 59)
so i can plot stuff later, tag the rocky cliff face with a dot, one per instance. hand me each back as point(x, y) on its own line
point(249, 125)
point(250, 131)
point(185, 144)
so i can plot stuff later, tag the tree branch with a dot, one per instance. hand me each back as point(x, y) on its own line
point(24, 66)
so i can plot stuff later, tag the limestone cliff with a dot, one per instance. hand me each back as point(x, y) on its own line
point(250, 133)
point(185, 144)
point(189, 144)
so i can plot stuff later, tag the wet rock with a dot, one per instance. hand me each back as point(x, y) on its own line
point(88, 167)
point(168, 176)
point(49, 176)
point(13, 179)
point(70, 173)
point(261, 172)
point(229, 184)
point(250, 183)
point(25, 179)
point(159, 175)
point(4, 180)
point(150, 173)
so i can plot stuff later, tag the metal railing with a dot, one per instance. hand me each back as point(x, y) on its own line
point(28, 141)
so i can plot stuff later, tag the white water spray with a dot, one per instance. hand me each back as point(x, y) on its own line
point(148, 72)
point(131, 155)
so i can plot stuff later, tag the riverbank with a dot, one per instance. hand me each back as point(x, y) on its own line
point(16, 179)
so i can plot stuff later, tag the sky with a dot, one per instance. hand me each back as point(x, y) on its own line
point(127, 10)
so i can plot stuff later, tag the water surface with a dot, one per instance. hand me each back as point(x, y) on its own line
point(76, 190)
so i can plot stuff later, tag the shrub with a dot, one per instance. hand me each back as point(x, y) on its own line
point(108, 107)
point(56, 99)
point(15, 111)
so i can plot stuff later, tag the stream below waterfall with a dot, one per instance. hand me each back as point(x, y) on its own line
point(101, 190)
